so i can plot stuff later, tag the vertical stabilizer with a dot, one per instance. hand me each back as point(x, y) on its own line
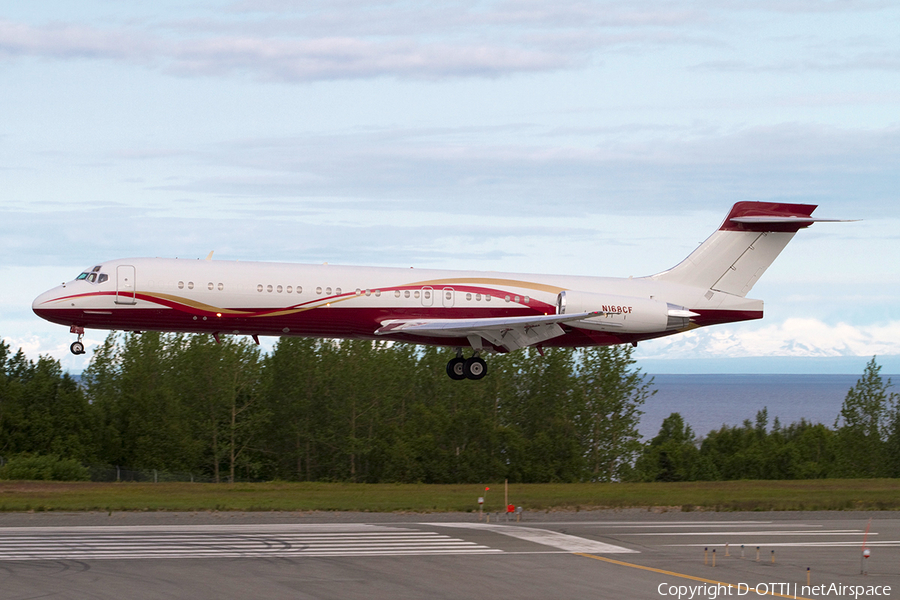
point(736, 255)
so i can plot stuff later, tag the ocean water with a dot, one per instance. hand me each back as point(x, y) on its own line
point(706, 402)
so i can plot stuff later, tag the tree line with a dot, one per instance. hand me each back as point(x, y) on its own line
point(361, 411)
point(863, 442)
point(327, 410)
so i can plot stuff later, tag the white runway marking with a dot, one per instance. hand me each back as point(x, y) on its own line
point(562, 541)
point(226, 541)
point(655, 524)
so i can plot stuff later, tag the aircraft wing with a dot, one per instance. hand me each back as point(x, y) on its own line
point(511, 333)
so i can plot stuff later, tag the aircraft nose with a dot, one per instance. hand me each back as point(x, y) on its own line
point(41, 304)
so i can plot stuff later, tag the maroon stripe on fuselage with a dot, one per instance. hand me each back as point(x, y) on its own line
point(335, 322)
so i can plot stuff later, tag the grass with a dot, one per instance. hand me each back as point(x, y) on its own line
point(821, 494)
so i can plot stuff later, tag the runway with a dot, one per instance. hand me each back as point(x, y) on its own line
point(335, 555)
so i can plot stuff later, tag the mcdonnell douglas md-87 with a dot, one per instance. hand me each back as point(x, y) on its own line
point(484, 311)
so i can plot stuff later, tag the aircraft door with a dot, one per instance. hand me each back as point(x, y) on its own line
point(427, 296)
point(448, 297)
point(125, 285)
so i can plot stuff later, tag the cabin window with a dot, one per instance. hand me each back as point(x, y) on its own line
point(396, 293)
point(487, 297)
point(508, 298)
point(358, 291)
point(279, 289)
point(377, 293)
point(221, 286)
point(468, 296)
point(210, 285)
point(259, 288)
point(190, 285)
point(427, 295)
point(269, 288)
point(328, 291)
point(416, 294)
point(368, 292)
point(478, 297)
point(180, 285)
point(406, 294)
point(337, 291)
point(319, 290)
point(299, 290)
point(527, 299)
point(516, 298)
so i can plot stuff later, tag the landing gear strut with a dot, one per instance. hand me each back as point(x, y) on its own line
point(77, 347)
point(462, 368)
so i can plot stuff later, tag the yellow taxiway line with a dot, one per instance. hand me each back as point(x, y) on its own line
point(685, 576)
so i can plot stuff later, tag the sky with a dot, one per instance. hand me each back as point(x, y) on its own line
point(587, 138)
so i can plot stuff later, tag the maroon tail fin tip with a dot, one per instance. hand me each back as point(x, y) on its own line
point(768, 216)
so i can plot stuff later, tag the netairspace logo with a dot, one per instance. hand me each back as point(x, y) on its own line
point(787, 590)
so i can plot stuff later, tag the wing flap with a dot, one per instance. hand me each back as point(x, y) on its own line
point(510, 333)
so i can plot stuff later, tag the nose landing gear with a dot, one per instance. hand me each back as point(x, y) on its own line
point(77, 347)
point(461, 368)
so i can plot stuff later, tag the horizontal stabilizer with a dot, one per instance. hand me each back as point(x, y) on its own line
point(798, 220)
point(772, 217)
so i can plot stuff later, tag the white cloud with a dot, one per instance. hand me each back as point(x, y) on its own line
point(310, 41)
point(306, 58)
point(795, 337)
point(491, 170)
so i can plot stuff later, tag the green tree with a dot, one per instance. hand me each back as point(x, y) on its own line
point(864, 426)
point(292, 394)
point(43, 410)
point(611, 394)
point(542, 406)
point(145, 423)
point(220, 383)
point(671, 455)
point(813, 452)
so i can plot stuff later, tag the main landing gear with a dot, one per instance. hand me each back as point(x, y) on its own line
point(77, 347)
point(466, 368)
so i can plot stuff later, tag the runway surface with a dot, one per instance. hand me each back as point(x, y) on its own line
point(603, 554)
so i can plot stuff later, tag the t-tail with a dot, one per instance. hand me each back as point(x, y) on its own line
point(733, 258)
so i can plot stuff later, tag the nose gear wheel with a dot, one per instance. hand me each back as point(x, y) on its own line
point(77, 347)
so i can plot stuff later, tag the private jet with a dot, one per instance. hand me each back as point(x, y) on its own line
point(481, 312)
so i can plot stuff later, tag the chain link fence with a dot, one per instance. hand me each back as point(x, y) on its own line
point(119, 473)
point(35, 467)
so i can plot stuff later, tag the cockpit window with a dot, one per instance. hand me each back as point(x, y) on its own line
point(93, 276)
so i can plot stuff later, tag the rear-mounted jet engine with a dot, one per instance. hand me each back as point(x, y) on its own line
point(623, 314)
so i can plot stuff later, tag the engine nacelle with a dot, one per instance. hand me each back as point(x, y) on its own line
point(623, 314)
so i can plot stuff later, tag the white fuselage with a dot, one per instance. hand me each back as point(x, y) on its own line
point(486, 311)
point(257, 298)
